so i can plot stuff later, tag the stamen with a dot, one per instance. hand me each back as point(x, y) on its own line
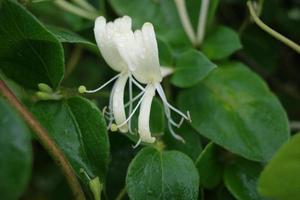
point(167, 108)
point(176, 136)
point(102, 86)
point(134, 110)
point(164, 99)
point(130, 101)
point(137, 84)
point(137, 144)
point(134, 99)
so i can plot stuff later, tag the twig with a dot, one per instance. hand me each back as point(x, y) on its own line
point(295, 125)
point(275, 34)
point(46, 141)
point(185, 21)
point(121, 194)
point(202, 21)
point(72, 62)
point(75, 10)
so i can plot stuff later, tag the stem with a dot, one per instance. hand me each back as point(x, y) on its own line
point(74, 59)
point(75, 10)
point(85, 5)
point(186, 23)
point(275, 34)
point(121, 194)
point(202, 22)
point(295, 125)
point(46, 141)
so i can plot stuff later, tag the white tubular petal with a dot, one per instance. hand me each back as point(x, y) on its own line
point(140, 52)
point(147, 69)
point(150, 41)
point(105, 34)
point(144, 116)
point(118, 102)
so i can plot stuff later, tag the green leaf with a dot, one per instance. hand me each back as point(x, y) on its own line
point(165, 53)
point(281, 177)
point(66, 36)
point(79, 129)
point(162, 175)
point(163, 15)
point(191, 67)
point(210, 167)
point(15, 153)
point(234, 108)
point(240, 178)
point(192, 146)
point(29, 53)
point(221, 43)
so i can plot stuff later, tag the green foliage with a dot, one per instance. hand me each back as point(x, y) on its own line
point(280, 178)
point(233, 107)
point(192, 145)
point(29, 53)
point(162, 14)
point(79, 129)
point(15, 154)
point(221, 43)
point(191, 67)
point(167, 175)
point(209, 167)
point(66, 36)
point(235, 125)
point(241, 178)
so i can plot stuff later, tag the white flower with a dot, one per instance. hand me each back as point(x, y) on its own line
point(141, 55)
point(132, 54)
point(107, 35)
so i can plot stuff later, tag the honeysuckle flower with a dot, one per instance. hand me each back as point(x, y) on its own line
point(107, 35)
point(141, 55)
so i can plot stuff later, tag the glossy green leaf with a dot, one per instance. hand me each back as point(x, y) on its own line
point(29, 53)
point(163, 15)
point(209, 166)
point(281, 177)
point(240, 178)
point(221, 43)
point(192, 146)
point(162, 175)
point(79, 129)
point(234, 108)
point(191, 67)
point(15, 153)
point(66, 36)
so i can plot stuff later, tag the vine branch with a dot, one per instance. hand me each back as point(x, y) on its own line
point(272, 32)
point(46, 141)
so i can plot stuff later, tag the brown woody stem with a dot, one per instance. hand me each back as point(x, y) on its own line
point(46, 141)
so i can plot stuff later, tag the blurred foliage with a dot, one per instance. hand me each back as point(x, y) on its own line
point(238, 123)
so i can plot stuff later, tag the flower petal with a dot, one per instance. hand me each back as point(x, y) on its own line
point(144, 116)
point(105, 34)
point(141, 54)
point(118, 102)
